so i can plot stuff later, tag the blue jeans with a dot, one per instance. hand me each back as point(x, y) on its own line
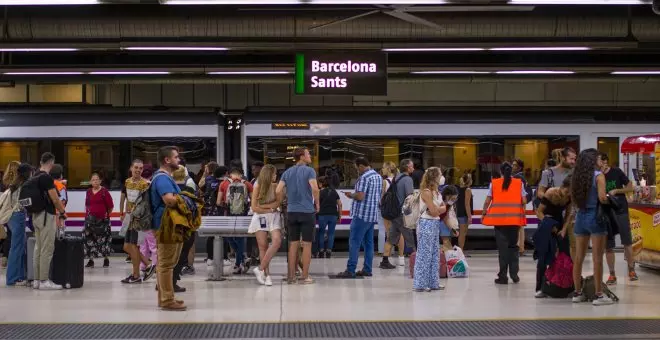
point(330, 222)
point(362, 233)
point(17, 255)
point(238, 243)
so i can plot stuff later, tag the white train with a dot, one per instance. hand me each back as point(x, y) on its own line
point(87, 139)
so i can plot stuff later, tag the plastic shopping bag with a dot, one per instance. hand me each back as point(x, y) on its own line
point(124, 225)
point(457, 265)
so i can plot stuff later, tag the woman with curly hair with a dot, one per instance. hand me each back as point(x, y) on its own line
point(587, 190)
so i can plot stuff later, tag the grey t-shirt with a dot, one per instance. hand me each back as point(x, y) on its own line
point(404, 187)
point(298, 191)
point(554, 177)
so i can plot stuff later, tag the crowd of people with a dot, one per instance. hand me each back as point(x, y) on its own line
point(566, 202)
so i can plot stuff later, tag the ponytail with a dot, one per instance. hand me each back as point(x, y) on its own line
point(506, 170)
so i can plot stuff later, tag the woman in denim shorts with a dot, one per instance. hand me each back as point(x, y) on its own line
point(587, 189)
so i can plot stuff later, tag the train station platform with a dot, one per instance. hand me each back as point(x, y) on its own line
point(383, 307)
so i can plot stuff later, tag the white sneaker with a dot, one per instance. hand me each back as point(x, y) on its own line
point(49, 285)
point(603, 300)
point(268, 282)
point(540, 295)
point(259, 274)
point(35, 284)
point(579, 297)
point(401, 261)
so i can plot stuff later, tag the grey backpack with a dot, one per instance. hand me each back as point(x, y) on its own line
point(237, 198)
point(589, 289)
point(141, 216)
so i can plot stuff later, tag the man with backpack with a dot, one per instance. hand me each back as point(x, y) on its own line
point(402, 187)
point(217, 175)
point(40, 199)
point(233, 195)
point(162, 194)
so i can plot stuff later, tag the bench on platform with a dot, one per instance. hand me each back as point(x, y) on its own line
point(220, 227)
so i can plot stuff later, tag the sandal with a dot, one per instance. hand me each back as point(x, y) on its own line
point(308, 281)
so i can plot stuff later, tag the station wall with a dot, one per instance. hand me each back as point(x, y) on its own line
point(451, 93)
point(466, 92)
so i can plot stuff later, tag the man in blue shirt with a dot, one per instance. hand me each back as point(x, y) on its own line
point(162, 192)
point(302, 193)
point(364, 211)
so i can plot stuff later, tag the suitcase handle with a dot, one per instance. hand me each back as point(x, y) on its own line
point(60, 233)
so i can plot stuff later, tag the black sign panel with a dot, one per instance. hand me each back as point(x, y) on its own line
point(290, 126)
point(358, 74)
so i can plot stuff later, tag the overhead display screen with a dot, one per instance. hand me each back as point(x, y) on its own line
point(357, 74)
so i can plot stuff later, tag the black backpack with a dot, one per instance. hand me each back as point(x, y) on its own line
point(389, 205)
point(32, 197)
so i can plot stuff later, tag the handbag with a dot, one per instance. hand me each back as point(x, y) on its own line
point(96, 225)
point(125, 224)
point(602, 216)
point(450, 219)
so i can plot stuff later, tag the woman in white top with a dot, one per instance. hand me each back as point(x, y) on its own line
point(427, 262)
point(389, 172)
point(266, 219)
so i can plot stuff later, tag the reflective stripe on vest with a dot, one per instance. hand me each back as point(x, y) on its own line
point(506, 208)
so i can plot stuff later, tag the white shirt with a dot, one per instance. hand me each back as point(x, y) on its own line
point(437, 200)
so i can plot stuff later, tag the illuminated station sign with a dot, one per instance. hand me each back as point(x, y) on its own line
point(357, 74)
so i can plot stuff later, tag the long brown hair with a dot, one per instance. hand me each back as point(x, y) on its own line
point(431, 179)
point(265, 182)
point(10, 174)
point(583, 177)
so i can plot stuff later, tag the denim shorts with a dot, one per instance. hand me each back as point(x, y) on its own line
point(586, 223)
point(462, 220)
point(444, 230)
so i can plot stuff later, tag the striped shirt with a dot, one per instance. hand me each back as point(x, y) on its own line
point(371, 184)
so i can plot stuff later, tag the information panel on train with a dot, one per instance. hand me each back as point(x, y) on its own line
point(357, 74)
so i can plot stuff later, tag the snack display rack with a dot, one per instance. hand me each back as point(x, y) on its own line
point(644, 205)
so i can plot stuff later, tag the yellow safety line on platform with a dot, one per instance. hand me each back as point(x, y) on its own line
point(650, 318)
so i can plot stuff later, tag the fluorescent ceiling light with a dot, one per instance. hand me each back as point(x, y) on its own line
point(635, 72)
point(576, 48)
point(47, 2)
point(434, 49)
point(535, 72)
point(450, 72)
point(41, 73)
point(399, 2)
point(579, 2)
point(98, 73)
point(37, 49)
point(175, 48)
point(248, 72)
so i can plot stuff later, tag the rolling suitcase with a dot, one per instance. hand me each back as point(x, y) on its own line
point(68, 265)
point(31, 242)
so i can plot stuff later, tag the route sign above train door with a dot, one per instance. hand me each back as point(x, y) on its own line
point(356, 74)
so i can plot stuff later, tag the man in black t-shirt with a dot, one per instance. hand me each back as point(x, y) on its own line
point(45, 223)
point(617, 185)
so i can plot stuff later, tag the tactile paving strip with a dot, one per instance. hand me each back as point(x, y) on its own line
point(580, 329)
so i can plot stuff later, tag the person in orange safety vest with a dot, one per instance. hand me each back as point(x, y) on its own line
point(504, 209)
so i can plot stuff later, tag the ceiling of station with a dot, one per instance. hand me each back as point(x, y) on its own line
point(197, 40)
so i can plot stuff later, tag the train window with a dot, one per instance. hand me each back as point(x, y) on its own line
point(23, 151)
point(195, 152)
point(479, 156)
point(110, 158)
point(610, 146)
point(82, 158)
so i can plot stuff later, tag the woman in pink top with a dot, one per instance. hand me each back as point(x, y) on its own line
point(98, 236)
